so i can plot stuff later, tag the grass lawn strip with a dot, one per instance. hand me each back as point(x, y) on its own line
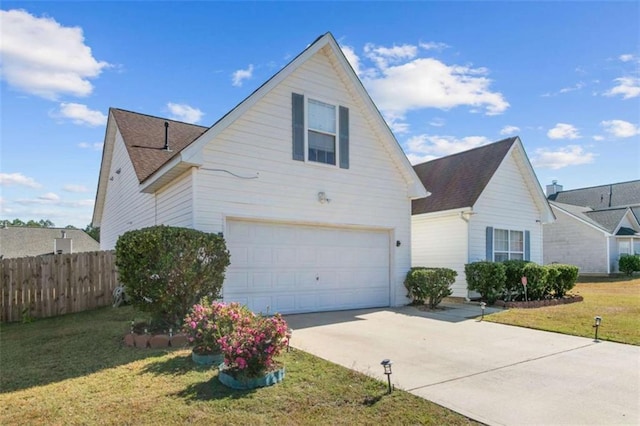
point(74, 370)
point(617, 301)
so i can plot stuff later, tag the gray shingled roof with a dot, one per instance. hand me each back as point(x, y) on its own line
point(603, 196)
point(609, 219)
point(457, 180)
point(25, 241)
point(144, 137)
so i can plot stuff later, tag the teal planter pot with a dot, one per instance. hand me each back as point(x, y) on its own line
point(244, 383)
point(207, 359)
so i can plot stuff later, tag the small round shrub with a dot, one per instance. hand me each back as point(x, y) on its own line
point(166, 270)
point(561, 278)
point(514, 271)
point(629, 264)
point(537, 286)
point(429, 284)
point(487, 278)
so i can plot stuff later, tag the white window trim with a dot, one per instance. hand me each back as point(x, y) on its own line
point(509, 252)
point(308, 98)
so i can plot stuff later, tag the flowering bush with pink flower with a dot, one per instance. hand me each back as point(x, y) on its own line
point(207, 322)
point(255, 340)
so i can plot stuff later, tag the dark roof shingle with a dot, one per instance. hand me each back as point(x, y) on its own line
point(144, 137)
point(456, 181)
point(603, 196)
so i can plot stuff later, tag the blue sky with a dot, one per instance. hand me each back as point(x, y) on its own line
point(447, 76)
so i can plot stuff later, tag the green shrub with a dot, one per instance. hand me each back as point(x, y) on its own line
point(166, 270)
point(561, 278)
point(537, 286)
point(487, 278)
point(429, 284)
point(514, 270)
point(629, 263)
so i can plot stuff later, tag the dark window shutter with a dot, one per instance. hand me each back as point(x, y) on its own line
point(297, 115)
point(489, 242)
point(343, 123)
point(527, 245)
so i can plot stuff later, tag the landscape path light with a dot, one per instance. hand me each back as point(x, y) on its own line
point(596, 325)
point(483, 306)
point(386, 363)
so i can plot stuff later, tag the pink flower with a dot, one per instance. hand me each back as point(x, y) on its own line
point(242, 364)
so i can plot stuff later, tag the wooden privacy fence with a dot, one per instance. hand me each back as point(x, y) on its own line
point(56, 284)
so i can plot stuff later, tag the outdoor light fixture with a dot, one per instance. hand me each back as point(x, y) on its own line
point(596, 325)
point(386, 363)
point(482, 307)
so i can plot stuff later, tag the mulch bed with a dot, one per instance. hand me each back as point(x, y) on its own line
point(539, 303)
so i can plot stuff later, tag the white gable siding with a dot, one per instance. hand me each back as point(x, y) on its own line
point(441, 242)
point(370, 194)
point(125, 208)
point(174, 202)
point(569, 240)
point(506, 203)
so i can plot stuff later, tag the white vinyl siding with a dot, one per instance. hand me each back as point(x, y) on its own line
point(174, 202)
point(125, 208)
point(371, 193)
point(441, 242)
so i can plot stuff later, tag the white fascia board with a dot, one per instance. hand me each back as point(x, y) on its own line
point(530, 177)
point(105, 167)
point(166, 173)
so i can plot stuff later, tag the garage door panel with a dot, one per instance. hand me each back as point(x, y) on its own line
point(291, 268)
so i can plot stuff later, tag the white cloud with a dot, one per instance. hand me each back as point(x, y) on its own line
point(571, 155)
point(183, 112)
point(627, 87)
point(75, 188)
point(425, 147)
point(352, 57)
point(568, 89)
point(8, 179)
point(82, 115)
point(620, 128)
point(598, 138)
point(433, 45)
point(563, 131)
point(49, 196)
point(240, 75)
point(509, 130)
point(43, 58)
point(97, 146)
point(627, 57)
point(383, 56)
point(437, 122)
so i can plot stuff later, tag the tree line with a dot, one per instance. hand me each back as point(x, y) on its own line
point(94, 232)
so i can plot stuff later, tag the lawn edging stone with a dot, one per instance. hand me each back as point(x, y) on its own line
point(531, 304)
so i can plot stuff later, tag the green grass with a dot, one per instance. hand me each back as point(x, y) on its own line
point(74, 370)
point(616, 300)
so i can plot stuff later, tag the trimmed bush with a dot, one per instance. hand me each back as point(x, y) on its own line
point(536, 281)
point(514, 270)
point(561, 278)
point(429, 284)
point(487, 278)
point(166, 270)
point(629, 263)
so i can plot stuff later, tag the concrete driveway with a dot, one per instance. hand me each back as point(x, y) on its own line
point(496, 374)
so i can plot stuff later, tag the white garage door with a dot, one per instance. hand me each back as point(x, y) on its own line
point(292, 268)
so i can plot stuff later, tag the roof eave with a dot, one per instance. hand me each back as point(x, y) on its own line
point(105, 166)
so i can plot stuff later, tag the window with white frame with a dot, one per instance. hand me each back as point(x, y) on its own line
point(508, 245)
point(321, 132)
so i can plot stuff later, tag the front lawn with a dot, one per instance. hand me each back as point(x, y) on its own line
point(616, 300)
point(74, 370)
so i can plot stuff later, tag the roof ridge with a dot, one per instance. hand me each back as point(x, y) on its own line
point(512, 139)
point(598, 186)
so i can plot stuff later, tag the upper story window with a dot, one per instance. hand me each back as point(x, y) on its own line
point(508, 245)
point(320, 131)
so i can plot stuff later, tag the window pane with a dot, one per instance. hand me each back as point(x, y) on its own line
point(322, 117)
point(501, 257)
point(517, 256)
point(322, 142)
point(517, 241)
point(501, 240)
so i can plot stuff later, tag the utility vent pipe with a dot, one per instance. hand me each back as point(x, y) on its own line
point(166, 136)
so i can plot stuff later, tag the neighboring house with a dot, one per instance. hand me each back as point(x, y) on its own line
point(20, 241)
point(486, 204)
point(595, 226)
point(304, 179)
